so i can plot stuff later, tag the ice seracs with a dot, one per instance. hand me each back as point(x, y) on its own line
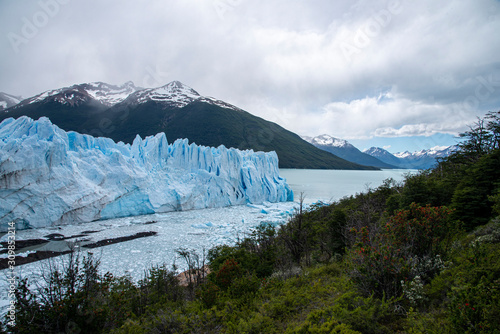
point(51, 177)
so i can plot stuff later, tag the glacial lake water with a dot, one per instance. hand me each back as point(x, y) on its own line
point(331, 185)
point(197, 229)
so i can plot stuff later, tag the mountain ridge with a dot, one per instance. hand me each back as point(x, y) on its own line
point(177, 110)
point(345, 150)
point(8, 101)
point(104, 93)
point(423, 159)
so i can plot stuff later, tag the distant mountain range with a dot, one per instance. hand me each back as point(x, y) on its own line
point(122, 112)
point(345, 150)
point(423, 159)
point(378, 157)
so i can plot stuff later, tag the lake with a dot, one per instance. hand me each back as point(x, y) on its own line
point(331, 185)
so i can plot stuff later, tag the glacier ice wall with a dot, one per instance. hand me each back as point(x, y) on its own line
point(51, 177)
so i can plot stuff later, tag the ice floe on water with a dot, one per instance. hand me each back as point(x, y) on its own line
point(194, 230)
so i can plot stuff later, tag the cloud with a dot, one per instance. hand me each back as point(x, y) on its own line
point(353, 70)
point(385, 116)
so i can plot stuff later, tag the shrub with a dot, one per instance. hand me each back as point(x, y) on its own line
point(405, 246)
point(160, 285)
point(209, 294)
point(227, 273)
point(475, 308)
point(322, 321)
point(350, 313)
point(474, 305)
point(69, 298)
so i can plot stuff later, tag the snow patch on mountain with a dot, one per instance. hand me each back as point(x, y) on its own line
point(375, 150)
point(102, 92)
point(402, 155)
point(434, 152)
point(422, 159)
point(7, 100)
point(175, 94)
point(51, 177)
point(109, 94)
point(327, 140)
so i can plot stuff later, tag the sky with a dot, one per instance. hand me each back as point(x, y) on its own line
point(398, 74)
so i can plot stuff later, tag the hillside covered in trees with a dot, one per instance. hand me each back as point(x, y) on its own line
point(422, 256)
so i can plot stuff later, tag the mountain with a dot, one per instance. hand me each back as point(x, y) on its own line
point(122, 112)
point(383, 155)
point(345, 150)
point(75, 95)
point(7, 101)
point(52, 177)
point(423, 159)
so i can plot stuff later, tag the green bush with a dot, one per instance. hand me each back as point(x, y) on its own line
point(322, 321)
point(70, 299)
point(474, 197)
point(475, 308)
point(475, 296)
point(256, 253)
point(398, 250)
point(228, 272)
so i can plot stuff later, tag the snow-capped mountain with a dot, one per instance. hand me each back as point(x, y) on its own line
point(435, 152)
point(104, 93)
point(383, 155)
point(122, 112)
point(52, 177)
point(327, 140)
point(7, 101)
point(175, 94)
point(345, 150)
point(423, 159)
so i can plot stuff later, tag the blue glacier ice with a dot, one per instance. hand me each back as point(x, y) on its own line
point(51, 177)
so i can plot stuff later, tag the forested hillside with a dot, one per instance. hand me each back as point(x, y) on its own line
point(422, 256)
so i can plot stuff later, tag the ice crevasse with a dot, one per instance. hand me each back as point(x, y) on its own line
point(52, 177)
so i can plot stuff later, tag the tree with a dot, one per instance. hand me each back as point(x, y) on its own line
point(482, 138)
point(474, 196)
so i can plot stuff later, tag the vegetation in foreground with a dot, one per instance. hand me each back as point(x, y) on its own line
point(417, 257)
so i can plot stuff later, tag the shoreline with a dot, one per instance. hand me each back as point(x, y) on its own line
point(55, 246)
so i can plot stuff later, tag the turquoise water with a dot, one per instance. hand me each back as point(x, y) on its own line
point(330, 185)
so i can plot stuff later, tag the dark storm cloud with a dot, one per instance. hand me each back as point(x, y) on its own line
point(351, 69)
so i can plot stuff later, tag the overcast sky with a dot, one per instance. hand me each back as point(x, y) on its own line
point(399, 74)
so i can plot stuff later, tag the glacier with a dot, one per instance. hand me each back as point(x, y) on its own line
point(50, 177)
